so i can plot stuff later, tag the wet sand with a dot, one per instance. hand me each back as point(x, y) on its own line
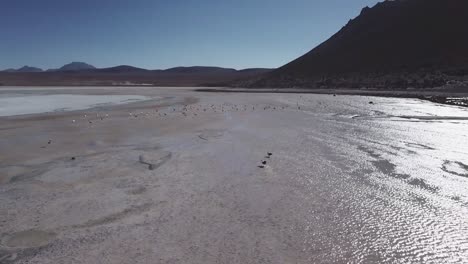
point(190, 177)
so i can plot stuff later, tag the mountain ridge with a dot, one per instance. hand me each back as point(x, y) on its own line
point(82, 66)
point(129, 75)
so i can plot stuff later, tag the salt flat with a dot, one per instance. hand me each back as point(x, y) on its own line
point(179, 178)
point(20, 104)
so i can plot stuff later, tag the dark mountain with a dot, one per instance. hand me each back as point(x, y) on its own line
point(400, 43)
point(76, 66)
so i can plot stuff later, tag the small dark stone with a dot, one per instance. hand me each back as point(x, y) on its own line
point(264, 162)
point(371, 102)
point(269, 153)
point(73, 158)
point(50, 142)
point(261, 167)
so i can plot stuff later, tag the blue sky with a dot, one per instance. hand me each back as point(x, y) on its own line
point(158, 34)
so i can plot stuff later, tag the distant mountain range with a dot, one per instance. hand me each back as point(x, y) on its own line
point(395, 44)
point(84, 67)
point(74, 66)
point(24, 69)
point(80, 73)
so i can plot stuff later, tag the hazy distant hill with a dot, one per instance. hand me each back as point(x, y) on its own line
point(77, 66)
point(200, 70)
point(400, 43)
point(121, 69)
point(24, 69)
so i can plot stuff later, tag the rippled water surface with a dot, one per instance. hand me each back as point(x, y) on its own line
point(403, 191)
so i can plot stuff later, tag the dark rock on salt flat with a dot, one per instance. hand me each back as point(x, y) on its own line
point(154, 160)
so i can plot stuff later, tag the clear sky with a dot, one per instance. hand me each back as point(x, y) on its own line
point(158, 34)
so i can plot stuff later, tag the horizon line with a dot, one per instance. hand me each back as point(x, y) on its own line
point(148, 69)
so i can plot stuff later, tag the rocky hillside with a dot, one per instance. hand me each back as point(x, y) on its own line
point(395, 44)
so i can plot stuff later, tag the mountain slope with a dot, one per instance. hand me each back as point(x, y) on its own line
point(387, 45)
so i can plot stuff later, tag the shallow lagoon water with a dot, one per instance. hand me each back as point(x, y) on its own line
point(20, 104)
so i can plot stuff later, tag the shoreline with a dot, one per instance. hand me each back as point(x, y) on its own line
point(436, 96)
point(447, 96)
